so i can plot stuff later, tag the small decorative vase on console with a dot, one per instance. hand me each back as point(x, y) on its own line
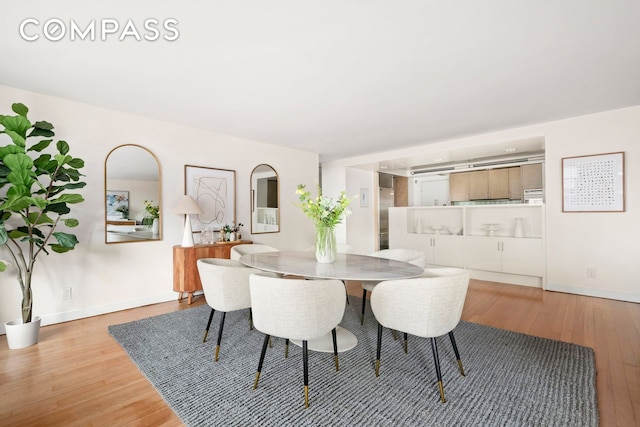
point(326, 248)
point(518, 230)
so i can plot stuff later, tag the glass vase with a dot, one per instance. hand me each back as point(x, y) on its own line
point(326, 248)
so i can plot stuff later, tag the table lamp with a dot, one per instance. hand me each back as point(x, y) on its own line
point(187, 206)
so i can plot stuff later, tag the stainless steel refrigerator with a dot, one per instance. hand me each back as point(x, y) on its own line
point(385, 202)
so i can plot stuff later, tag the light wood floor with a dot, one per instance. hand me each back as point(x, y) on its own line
point(77, 375)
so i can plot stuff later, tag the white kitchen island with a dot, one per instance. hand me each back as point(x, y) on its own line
point(485, 242)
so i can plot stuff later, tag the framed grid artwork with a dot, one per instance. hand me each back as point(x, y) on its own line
point(593, 183)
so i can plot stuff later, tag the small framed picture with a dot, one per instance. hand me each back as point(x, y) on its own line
point(117, 204)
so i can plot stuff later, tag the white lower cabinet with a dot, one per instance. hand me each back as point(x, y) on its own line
point(445, 250)
point(504, 255)
point(484, 242)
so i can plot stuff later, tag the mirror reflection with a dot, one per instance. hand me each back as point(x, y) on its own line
point(132, 195)
point(265, 200)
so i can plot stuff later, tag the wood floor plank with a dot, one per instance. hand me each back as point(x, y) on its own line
point(77, 375)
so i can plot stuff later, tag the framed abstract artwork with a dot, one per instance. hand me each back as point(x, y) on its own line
point(215, 192)
point(593, 183)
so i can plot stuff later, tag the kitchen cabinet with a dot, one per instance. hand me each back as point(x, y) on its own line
point(479, 185)
point(504, 255)
point(459, 187)
point(445, 251)
point(489, 184)
point(492, 184)
point(400, 191)
point(531, 176)
point(489, 255)
point(515, 183)
point(498, 183)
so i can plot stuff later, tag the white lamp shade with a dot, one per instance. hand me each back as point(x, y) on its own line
point(187, 206)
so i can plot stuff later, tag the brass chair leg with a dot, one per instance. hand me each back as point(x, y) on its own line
point(436, 359)
point(262, 353)
point(224, 315)
point(457, 353)
point(250, 320)
point(286, 348)
point(305, 371)
point(441, 388)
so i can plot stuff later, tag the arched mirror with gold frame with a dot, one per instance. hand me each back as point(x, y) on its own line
point(265, 200)
point(133, 195)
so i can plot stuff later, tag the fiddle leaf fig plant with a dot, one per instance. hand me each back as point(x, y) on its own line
point(35, 194)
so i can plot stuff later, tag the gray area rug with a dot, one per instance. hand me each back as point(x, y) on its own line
point(511, 379)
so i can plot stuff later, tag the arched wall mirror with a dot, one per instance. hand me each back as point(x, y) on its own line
point(133, 189)
point(265, 200)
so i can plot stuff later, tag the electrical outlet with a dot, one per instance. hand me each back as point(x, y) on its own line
point(591, 273)
point(66, 294)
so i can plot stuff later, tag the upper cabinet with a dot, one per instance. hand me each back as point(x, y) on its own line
point(489, 184)
point(459, 186)
point(515, 183)
point(493, 184)
point(531, 176)
point(265, 200)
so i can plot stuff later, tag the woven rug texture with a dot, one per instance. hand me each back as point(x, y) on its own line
point(511, 379)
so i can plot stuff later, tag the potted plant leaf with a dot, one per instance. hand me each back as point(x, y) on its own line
point(152, 216)
point(36, 189)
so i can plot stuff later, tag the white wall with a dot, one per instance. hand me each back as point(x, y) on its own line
point(425, 191)
point(606, 242)
point(362, 220)
point(117, 276)
point(333, 182)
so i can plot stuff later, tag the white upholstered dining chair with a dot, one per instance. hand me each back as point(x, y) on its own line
point(238, 250)
point(296, 309)
point(429, 306)
point(225, 284)
point(411, 256)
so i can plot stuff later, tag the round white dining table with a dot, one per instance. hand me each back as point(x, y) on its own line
point(345, 267)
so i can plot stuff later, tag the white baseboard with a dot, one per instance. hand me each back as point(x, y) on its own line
point(51, 319)
point(590, 292)
point(513, 279)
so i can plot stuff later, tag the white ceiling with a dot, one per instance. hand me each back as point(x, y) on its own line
point(338, 77)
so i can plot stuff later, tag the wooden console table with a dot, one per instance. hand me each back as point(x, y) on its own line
point(185, 271)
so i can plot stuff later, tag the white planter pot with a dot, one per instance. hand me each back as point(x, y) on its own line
point(20, 335)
